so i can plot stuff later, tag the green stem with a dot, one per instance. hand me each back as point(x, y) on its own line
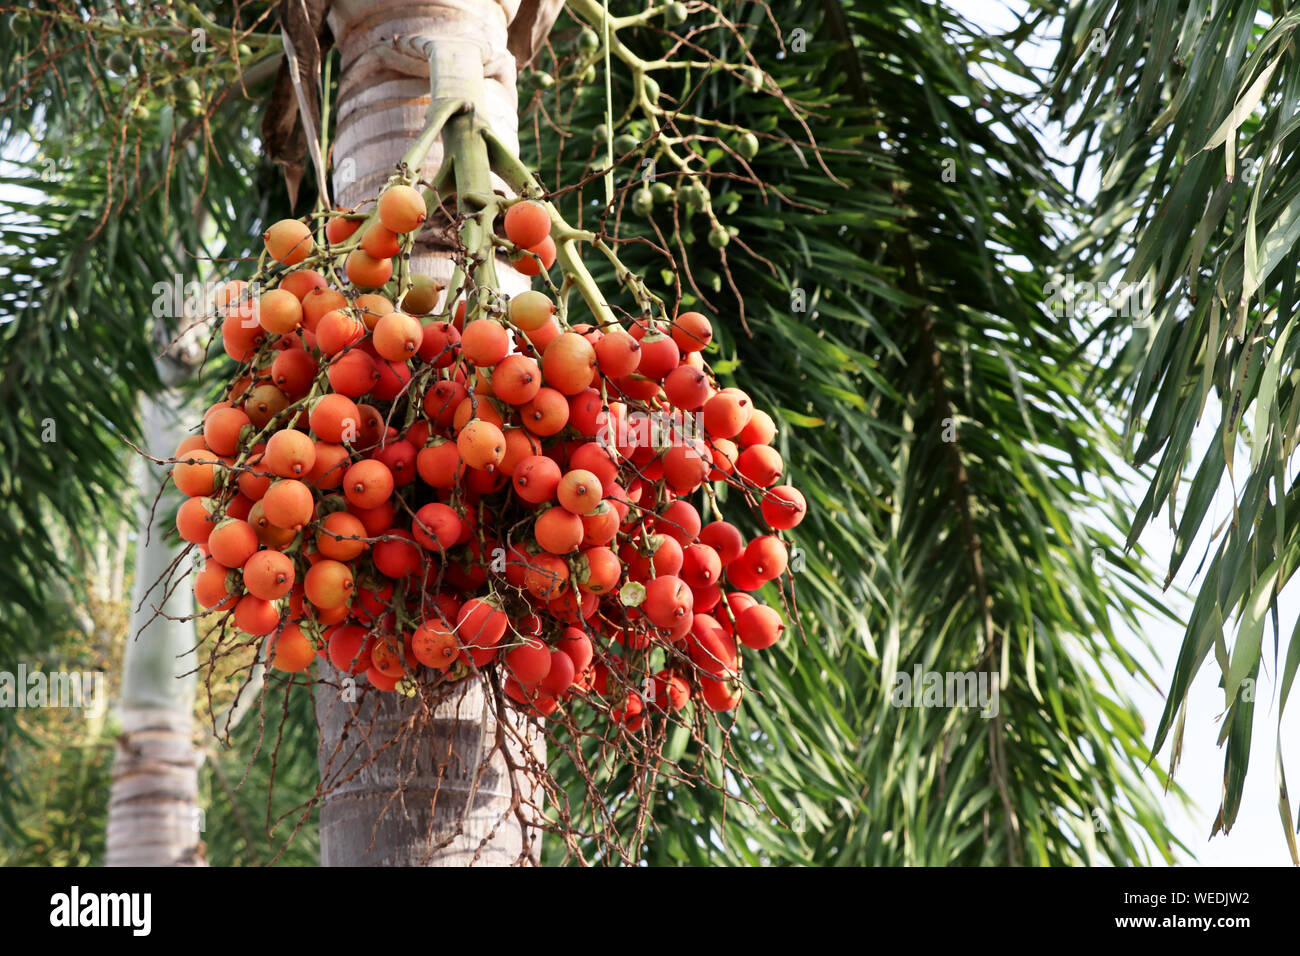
point(576, 273)
point(324, 123)
point(440, 113)
point(468, 152)
point(593, 14)
point(609, 115)
point(454, 288)
point(519, 179)
point(646, 299)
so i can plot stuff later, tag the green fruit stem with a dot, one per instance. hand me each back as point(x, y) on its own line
point(517, 177)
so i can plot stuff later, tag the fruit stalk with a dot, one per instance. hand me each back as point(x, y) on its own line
point(467, 151)
point(518, 178)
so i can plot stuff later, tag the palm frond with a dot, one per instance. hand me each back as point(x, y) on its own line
point(1190, 112)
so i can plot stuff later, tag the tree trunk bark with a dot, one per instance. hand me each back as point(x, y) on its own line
point(443, 796)
point(153, 809)
point(440, 797)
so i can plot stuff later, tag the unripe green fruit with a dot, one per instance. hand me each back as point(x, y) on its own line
point(588, 42)
point(531, 310)
point(191, 95)
point(695, 194)
point(651, 89)
point(600, 133)
point(747, 146)
point(661, 192)
point(625, 144)
point(753, 78)
point(119, 61)
point(643, 201)
point(422, 296)
point(719, 237)
point(675, 14)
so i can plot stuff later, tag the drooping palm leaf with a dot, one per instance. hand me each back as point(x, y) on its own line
point(1190, 110)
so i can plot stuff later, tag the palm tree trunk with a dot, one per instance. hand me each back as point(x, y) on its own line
point(153, 809)
point(444, 799)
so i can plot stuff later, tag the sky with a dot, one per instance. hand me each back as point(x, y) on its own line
point(1257, 838)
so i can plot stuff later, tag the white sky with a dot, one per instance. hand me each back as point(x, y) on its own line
point(1256, 838)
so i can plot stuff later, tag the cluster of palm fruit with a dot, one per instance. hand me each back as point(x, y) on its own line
point(421, 493)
